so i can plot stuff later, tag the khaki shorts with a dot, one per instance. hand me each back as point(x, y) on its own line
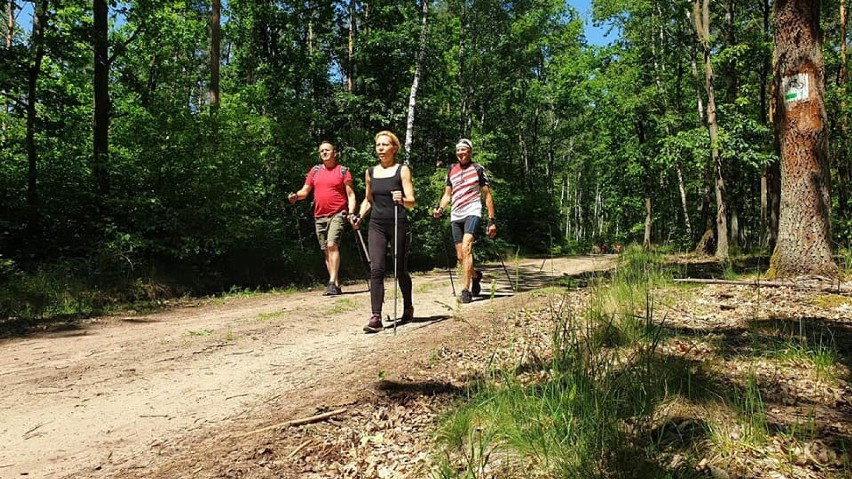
point(329, 229)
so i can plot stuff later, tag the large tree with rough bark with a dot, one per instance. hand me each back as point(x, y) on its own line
point(803, 246)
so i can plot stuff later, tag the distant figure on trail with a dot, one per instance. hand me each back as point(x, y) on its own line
point(334, 199)
point(466, 185)
point(389, 192)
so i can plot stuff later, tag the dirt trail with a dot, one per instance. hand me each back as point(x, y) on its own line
point(114, 393)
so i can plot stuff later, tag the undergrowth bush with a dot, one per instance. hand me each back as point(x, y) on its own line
point(603, 386)
point(72, 289)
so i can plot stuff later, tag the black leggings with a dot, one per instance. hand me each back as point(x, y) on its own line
point(381, 233)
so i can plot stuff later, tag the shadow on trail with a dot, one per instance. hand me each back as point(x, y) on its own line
point(424, 321)
point(22, 328)
point(356, 291)
point(509, 277)
point(405, 390)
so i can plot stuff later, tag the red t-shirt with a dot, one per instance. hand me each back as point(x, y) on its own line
point(329, 189)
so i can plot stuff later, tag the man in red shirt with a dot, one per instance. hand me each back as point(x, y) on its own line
point(334, 199)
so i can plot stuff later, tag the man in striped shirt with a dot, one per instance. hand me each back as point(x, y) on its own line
point(466, 186)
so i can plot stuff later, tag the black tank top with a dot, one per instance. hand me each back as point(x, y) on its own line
point(383, 204)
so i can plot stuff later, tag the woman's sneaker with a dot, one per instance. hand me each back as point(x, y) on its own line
point(332, 289)
point(407, 316)
point(375, 324)
point(476, 287)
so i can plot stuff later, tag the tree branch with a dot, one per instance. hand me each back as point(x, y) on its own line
point(297, 422)
point(18, 101)
point(118, 50)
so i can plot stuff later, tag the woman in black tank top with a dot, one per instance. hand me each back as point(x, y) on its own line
point(389, 192)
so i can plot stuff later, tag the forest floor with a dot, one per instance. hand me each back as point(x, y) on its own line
point(179, 393)
point(210, 391)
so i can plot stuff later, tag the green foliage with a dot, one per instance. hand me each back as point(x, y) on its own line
point(574, 136)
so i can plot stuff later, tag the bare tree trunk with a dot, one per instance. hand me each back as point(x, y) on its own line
point(464, 108)
point(34, 71)
point(418, 71)
point(701, 14)
point(215, 53)
point(735, 227)
point(734, 198)
point(100, 41)
point(706, 196)
point(647, 184)
point(731, 72)
point(10, 23)
point(770, 176)
point(804, 234)
point(9, 11)
point(682, 191)
point(151, 83)
point(841, 149)
point(350, 71)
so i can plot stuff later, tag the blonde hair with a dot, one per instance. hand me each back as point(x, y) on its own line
point(394, 140)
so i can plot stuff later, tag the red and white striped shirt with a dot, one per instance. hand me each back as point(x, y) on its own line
point(466, 182)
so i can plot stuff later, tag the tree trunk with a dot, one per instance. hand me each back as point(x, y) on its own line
point(215, 53)
point(100, 43)
point(772, 172)
point(841, 149)
point(465, 113)
point(33, 73)
point(10, 23)
point(731, 72)
point(803, 246)
point(647, 184)
point(350, 64)
point(770, 180)
point(418, 71)
point(701, 15)
point(9, 11)
point(682, 189)
point(705, 244)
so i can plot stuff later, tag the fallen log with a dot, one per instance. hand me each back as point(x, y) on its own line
point(839, 288)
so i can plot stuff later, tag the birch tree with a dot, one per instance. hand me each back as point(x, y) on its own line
point(415, 83)
point(701, 19)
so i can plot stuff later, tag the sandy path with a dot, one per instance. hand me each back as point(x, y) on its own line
point(110, 394)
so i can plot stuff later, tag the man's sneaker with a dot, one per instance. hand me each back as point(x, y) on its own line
point(476, 288)
point(375, 324)
point(466, 296)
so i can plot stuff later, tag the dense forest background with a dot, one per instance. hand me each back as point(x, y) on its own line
point(147, 147)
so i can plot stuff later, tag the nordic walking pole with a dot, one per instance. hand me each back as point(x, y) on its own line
point(395, 244)
point(363, 254)
point(444, 247)
point(364, 246)
point(506, 271)
point(508, 277)
point(450, 271)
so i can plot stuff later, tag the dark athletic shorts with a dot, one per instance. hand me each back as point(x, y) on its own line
point(461, 227)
